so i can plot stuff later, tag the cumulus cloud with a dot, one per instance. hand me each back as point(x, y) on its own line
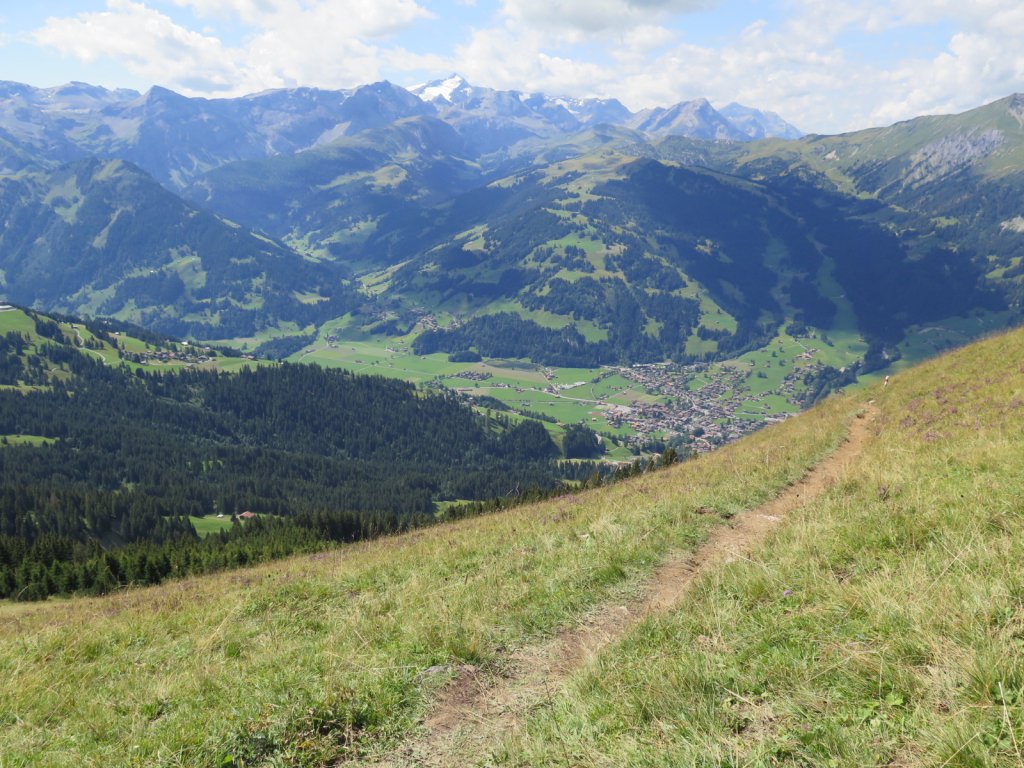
point(573, 17)
point(149, 43)
point(356, 18)
point(639, 43)
point(330, 43)
point(800, 66)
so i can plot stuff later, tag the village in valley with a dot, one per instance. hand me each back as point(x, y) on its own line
point(717, 412)
point(697, 406)
point(661, 401)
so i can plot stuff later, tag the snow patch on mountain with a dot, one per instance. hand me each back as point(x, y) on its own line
point(538, 114)
point(441, 89)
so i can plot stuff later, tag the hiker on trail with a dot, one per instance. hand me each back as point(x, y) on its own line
point(885, 383)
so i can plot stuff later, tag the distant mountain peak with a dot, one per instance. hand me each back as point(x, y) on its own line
point(759, 124)
point(159, 95)
point(695, 118)
point(1016, 107)
point(443, 89)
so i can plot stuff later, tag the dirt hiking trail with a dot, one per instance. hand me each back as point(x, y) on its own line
point(477, 708)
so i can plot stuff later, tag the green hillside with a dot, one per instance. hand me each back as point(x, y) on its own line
point(947, 181)
point(100, 237)
point(109, 341)
point(601, 248)
point(880, 624)
point(328, 201)
point(601, 261)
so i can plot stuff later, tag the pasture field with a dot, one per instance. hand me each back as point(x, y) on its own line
point(210, 524)
point(881, 626)
point(519, 384)
point(26, 440)
point(522, 384)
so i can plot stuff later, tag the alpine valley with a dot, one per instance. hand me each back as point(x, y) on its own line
point(222, 544)
point(679, 273)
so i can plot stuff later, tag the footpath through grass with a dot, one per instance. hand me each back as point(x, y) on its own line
point(321, 657)
point(882, 626)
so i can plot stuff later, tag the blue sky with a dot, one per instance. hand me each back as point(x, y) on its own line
point(825, 66)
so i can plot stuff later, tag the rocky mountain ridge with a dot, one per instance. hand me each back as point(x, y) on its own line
point(177, 138)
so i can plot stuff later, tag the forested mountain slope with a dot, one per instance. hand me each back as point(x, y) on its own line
point(103, 238)
point(106, 452)
point(949, 181)
point(671, 262)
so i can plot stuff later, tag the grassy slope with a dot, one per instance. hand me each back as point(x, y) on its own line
point(75, 334)
point(842, 157)
point(885, 626)
point(297, 658)
point(900, 643)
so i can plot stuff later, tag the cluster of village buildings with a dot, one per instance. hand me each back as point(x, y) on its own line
point(186, 354)
point(721, 410)
point(474, 375)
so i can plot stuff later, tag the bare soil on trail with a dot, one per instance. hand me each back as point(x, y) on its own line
point(477, 708)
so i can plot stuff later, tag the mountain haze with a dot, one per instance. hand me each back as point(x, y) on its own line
point(952, 181)
point(177, 138)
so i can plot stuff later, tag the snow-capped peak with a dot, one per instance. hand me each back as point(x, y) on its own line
point(440, 89)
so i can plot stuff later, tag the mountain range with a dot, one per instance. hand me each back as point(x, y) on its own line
point(479, 221)
point(177, 139)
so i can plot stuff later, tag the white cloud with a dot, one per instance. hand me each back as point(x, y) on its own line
point(975, 67)
point(328, 43)
point(642, 40)
point(798, 67)
point(148, 43)
point(357, 18)
point(570, 18)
